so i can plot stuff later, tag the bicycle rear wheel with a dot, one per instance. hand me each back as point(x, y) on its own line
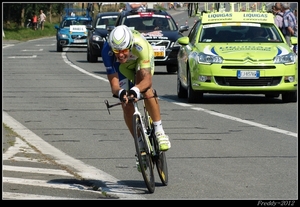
point(143, 157)
point(161, 163)
point(162, 168)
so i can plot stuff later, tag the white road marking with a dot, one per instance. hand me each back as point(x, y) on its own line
point(7, 45)
point(16, 148)
point(33, 50)
point(234, 118)
point(248, 122)
point(64, 57)
point(26, 196)
point(46, 171)
point(47, 45)
point(28, 159)
point(113, 185)
point(47, 184)
point(28, 56)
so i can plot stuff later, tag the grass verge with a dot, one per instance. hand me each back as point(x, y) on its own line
point(25, 34)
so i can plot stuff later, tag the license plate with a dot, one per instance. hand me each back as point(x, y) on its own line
point(159, 54)
point(159, 51)
point(79, 41)
point(248, 74)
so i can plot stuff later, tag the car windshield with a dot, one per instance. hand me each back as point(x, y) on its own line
point(240, 32)
point(149, 23)
point(68, 23)
point(106, 21)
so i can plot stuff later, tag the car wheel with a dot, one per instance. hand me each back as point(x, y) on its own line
point(181, 92)
point(91, 58)
point(193, 96)
point(172, 68)
point(88, 55)
point(59, 48)
point(289, 97)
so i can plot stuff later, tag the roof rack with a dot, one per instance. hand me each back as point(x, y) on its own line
point(194, 8)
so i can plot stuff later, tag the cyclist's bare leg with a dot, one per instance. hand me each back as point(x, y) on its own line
point(128, 111)
point(152, 105)
point(144, 81)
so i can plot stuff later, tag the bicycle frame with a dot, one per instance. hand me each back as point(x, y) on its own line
point(146, 117)
point(144, 126)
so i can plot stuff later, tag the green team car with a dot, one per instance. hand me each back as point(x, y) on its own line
point(236, 52)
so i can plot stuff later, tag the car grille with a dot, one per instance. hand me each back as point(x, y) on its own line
point(165, 43)
point(76, 37)
point(248, 67)
point(262, 81)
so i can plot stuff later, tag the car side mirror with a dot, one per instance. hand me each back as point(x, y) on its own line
point(183, 28)
point(110, 28)
point(183, 40)
point(89, 27)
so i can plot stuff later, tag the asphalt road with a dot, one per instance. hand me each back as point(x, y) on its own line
point(231, 147)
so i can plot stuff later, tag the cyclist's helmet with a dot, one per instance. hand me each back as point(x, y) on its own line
point(120, 38)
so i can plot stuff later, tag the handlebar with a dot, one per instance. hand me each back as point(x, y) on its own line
point(130, 99)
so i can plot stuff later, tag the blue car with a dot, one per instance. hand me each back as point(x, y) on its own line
point(72, 30)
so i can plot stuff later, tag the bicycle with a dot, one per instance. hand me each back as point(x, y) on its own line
point(29, 24)
point(143, 127)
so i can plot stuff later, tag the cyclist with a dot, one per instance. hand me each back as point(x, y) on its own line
point(129, 61)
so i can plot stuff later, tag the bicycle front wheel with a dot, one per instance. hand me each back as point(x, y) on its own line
point(145, 160)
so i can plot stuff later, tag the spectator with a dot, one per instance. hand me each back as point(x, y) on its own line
point(139, 6)
point(290, 27)
point(278, 15)
point(296, 16)
point(34, 21)
point(42, 19)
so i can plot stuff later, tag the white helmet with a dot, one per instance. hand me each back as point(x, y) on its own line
point(120, 38)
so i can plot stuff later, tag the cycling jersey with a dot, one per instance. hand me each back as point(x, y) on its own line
point(141, 55)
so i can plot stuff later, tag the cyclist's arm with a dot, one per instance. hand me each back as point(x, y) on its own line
point(144, 51)
point(143, 79)
point(114, 83)
point(112, 74)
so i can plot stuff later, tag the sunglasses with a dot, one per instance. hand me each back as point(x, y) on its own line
point(120, 51)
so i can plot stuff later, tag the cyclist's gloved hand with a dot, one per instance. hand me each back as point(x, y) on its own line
point(122, 93)
point(135, 92)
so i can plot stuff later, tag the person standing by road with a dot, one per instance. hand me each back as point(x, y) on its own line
point(290, 27)
point(296, 16)
point(278, 19)
point(139, 6)
point(42, 19)
point(34, 21)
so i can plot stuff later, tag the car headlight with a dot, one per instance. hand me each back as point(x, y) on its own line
point(286, 59)
point(97, 38)
point(63, 35)
point(209, 59)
